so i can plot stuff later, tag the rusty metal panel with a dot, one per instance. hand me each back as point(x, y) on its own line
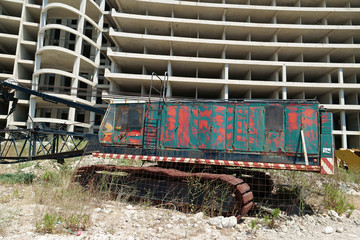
point(177, 126)
point(326, 123)
point(183, 133)
point(241, 128)
point(310, 125)
point(204, 134)
point(274, 125)
point(194, 125)
point(230, 128)
point(218, 126)
point(293, 128)
point(256, 128)
point(212, 125)
point(306, 118)
point(274, 141)
point(170, 113)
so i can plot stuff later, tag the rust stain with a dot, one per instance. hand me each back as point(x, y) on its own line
point(183, 132)
point(293, 120)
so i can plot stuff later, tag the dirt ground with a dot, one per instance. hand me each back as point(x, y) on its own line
point(22, 206)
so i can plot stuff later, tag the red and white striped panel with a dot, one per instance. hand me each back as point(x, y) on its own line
point(327, 166)
point(296, 167)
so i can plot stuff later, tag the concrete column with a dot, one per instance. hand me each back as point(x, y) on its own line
point(169, 90)
point(35, 81)
point(343, 129)
point(284, 79)
point(143, 91)
point(169, 69)
point(97, 62)
point(342, 113)
point(76, 68)
point(225, 92)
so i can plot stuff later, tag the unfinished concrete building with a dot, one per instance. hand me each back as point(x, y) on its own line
point(257, 49)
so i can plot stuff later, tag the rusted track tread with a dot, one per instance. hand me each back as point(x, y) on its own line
point(243, 195)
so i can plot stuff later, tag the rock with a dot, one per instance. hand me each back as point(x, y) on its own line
point(199, 215)
point(339, 219)
point(353, 192)
point(169, 225)
point(97, 210)
point(129, 207)
point(232, 221)
point(216, 221)
point(333, 214)
point(340, 230)
point(225, 222)
point(284, 228)
point(328, 230)
point(107, 211)
point(129, 213)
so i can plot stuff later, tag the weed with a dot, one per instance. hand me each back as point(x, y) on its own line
point(63, 202)
point(335, 199)
point(347, 175)
point(15, 178)
point(77, 222)
point(21, 166)
point(5, 199)
point(210, 197)
point(48, 223)
point(254, 225)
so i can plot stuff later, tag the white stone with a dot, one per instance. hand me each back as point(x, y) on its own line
point(97, 210)
point(340, 230)
point(216, 221)
point(333, 214)
point(199, 215)
point(328, 230)
point(284, 228)
point(129, 207)
point(232, 221)
point(107, 211)
point(225, 222)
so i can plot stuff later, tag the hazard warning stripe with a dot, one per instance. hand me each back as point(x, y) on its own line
point(296, 167)
point(327, 166)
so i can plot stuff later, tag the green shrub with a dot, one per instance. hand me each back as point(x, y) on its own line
point(17, 178)
point(48, 223)
point(335, 199)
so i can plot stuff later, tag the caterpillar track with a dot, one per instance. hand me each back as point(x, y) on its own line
point(220, 193)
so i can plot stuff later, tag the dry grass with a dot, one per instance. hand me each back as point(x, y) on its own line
point(67, 206)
